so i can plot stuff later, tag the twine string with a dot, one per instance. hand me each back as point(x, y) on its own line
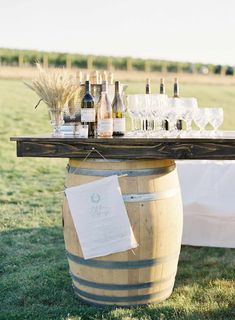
point(100, 154)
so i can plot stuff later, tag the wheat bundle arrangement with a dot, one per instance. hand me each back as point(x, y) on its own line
point(55, 88)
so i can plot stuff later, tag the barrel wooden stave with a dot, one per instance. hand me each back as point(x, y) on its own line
point(157, 226)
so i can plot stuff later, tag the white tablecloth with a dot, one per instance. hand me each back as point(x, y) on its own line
point(208, 192)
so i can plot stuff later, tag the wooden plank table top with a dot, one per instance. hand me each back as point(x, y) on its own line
point(221, 147)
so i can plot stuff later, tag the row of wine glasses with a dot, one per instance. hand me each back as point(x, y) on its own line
point(156, 115)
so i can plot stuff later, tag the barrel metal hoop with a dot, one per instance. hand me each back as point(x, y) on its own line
point(97, 297)
point(111, 286)
point(131, 264)
point(150, 196)
point(128, 172)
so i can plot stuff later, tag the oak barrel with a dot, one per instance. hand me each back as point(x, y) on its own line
point(146, 274)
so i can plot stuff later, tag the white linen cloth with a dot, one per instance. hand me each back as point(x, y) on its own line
point(100, 217)
point(208, 192)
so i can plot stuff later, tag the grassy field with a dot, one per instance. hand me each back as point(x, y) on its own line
point(34, 279)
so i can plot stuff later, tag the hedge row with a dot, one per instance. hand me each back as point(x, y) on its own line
point(12, 57)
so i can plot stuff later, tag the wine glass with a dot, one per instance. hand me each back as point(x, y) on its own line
point(201, 119)
point(143, 112)
point(57, 119)
point(132, 109)
point(190, 105)
point(216, 118)
point(156, 108)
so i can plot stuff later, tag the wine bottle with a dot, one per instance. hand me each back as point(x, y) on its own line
point(148, 87)
point(162, 86)
point(165, 123)
point(177, 95)
point(88, 114)
point(118, 109)
point(104, 114)
point(147, 91)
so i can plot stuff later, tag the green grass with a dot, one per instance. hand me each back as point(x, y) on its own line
point(34, 279)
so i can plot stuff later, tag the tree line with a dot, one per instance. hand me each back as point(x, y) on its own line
point(25, 58)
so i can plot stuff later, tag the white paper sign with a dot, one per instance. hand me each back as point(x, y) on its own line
point(100, 217)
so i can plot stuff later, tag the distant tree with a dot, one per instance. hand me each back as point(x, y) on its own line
point(218, 69)
point(229, 71)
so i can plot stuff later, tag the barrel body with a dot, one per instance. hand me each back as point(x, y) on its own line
point(145, 274)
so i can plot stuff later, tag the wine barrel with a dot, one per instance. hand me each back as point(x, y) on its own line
point(145, 274)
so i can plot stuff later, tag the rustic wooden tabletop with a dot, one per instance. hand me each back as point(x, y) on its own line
point(221, 147)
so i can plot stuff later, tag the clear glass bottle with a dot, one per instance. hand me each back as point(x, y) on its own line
point(104, 114)
point(118, 108)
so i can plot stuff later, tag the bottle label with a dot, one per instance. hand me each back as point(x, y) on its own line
point(88, 115)
point(105, 125)
point(119, 125)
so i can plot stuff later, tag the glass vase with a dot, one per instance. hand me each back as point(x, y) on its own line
point(57, 119)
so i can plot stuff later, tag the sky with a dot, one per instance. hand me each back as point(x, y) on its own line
point(182, 30)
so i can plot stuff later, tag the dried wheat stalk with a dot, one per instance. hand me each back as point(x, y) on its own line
point(55, 88)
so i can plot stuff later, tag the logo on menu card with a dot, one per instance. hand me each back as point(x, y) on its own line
point(95, 197)
point(98, 210)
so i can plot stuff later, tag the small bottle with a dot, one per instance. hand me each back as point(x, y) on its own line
point(148, 87)
point(88, 114)
point(104, 114)
point(162, 86)
point(176, 89)
point(118, 108)
point(147, 91)
point(165, 123)
point(176, 95)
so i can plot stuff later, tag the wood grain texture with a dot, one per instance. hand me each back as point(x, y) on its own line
point(127, 148)
point(157, 226)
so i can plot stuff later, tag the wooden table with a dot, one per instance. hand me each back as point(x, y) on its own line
point(216, 148)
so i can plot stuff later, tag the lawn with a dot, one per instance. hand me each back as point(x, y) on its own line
point(34, 279)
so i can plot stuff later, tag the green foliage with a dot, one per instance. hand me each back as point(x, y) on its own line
point(156, 66)
point(229, 71)
point(119, 63)
point(79, 61)
point(34, 276)
point(172, 67)
point(138, 64)
point(100, 62)
point(187, 67)
point(218, 69)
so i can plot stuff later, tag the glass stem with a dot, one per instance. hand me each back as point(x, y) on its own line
point(132, 124)
point(144, 125)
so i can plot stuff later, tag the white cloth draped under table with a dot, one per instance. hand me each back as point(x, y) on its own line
point(208, 192)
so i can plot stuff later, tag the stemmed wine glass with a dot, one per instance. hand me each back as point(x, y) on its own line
point(216, 118)
point(143, 112)
point(132, 109)
point(201, 119)
point(190, 106)
point(156, 109)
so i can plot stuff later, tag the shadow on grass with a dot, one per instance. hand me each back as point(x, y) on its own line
point(35, 283)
